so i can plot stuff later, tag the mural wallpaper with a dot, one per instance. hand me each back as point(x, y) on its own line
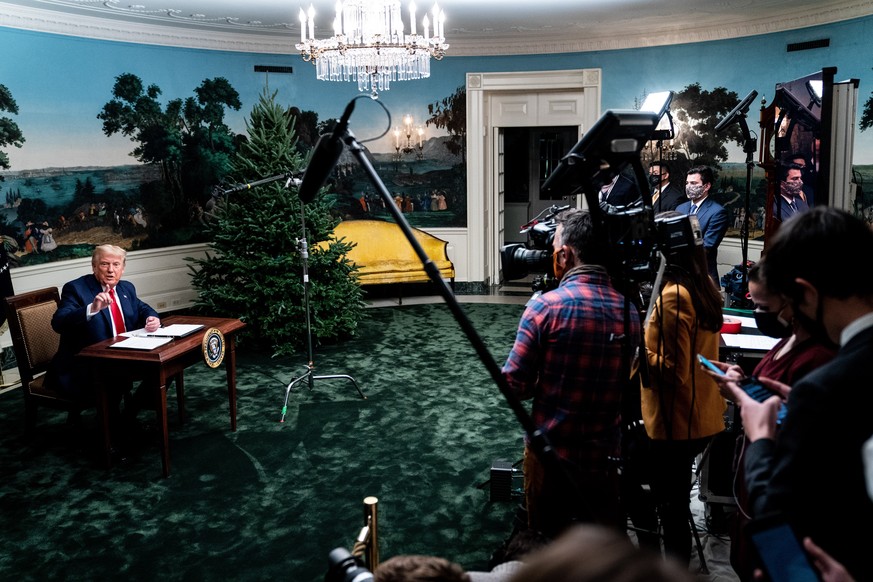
point(104, 141)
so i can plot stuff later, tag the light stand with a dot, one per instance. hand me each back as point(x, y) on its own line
point(303, 249)
point(749, 146)
point(309, 375)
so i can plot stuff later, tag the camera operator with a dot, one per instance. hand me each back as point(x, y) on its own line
point(571, 357)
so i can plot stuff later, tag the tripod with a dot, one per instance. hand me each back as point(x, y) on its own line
point(308, 374)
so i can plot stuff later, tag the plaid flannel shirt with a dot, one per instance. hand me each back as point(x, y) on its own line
point(570, 357)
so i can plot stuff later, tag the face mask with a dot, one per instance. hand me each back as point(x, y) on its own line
point(694, 191)
point(815, 327)
point(792, 189)
point(654, 180)
point(771, 324)
point(558, 269)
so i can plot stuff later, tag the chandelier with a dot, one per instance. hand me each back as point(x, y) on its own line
point(405, 140)
point(370, 45)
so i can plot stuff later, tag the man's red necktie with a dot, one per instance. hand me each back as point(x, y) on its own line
point(115, 310)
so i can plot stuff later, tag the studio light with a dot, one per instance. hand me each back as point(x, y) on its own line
point(660, 103)
point(370, 45)
point(816, 89)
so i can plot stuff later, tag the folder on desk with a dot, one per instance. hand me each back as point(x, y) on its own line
point(142, 343)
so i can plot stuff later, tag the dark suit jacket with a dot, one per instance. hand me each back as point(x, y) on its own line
point(77, 331)
point(813, 471)
point(670, 198)
point(623, 192)
point(781, 205)
point(713, 218)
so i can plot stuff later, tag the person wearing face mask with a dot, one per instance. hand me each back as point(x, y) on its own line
point(791, 200)
point(681, 407)
point(666, 195)
point(808, 177)
point(796, 354)
point(811, 471)
point(572, 356)
point(712, 216)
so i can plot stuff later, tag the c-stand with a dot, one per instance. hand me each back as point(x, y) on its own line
point(308, 375)
point(303, 249)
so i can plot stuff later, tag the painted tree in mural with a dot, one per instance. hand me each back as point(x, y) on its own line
point(867, 114)
point(10, 134)
point(696, 112)
point(188, 138)
point(255, 272)
point(451, 114)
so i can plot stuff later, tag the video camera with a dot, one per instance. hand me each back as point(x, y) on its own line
point(344, 567)
point(518, 260)
point(631, 235)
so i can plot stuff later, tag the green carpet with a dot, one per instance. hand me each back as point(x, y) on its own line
point(271, 500)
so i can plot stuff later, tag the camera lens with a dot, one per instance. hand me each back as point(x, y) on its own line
point(344, 567)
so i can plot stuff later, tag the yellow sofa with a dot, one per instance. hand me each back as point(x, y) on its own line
point(384, 255)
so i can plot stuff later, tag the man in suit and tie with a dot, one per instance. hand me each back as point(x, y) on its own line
point(93, 308)
point(790, 200)
point(666, 195)
point(712, 216)
point(622, 191)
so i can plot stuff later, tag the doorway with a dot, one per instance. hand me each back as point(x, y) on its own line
point(531, 154)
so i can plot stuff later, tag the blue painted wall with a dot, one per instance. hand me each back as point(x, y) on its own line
point(60, 83)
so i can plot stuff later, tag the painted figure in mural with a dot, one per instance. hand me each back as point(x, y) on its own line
point(47, 241)
point(441, 201)
point(32, 237)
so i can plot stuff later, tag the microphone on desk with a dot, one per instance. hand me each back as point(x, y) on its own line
point(326, 154)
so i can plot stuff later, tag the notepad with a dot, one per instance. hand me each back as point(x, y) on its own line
point(142, 343)
point(170, 331)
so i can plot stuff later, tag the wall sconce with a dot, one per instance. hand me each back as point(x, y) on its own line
point(408, 140)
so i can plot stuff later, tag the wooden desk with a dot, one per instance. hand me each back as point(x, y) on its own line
point(159, 366)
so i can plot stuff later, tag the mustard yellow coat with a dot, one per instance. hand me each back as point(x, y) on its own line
point(680, 393)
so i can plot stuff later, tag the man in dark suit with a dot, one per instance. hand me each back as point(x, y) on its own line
point(811, 471)
point(713, 217)
point(94, 308)
point(666, 194)
point(791, 200)
point(622, 191)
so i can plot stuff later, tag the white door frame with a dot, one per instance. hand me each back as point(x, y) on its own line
point(482, 196)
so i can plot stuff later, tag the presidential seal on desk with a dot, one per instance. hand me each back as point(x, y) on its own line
point(213, 347)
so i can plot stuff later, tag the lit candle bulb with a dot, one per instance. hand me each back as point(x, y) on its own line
point(311, 22)
point(436, 19)
point(420, 135)
point(442, 24)
point(302, 25)
point(397, 138)
point(412, 17)
point(338, 23)
point(426, 24)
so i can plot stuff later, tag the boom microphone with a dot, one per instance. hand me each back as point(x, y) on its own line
point(326, 154)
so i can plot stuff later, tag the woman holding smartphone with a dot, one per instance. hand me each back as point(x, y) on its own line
point(682, 408)
point(797, 353)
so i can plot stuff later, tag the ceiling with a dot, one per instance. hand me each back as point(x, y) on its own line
point(473, 27)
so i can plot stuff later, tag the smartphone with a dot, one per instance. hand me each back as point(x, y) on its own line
point(709, 365)
point(780, 551)
point(759, 392)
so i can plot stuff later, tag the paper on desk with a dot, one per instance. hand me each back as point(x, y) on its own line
point(749, 341)
point(175, 330)
point(142, 343)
